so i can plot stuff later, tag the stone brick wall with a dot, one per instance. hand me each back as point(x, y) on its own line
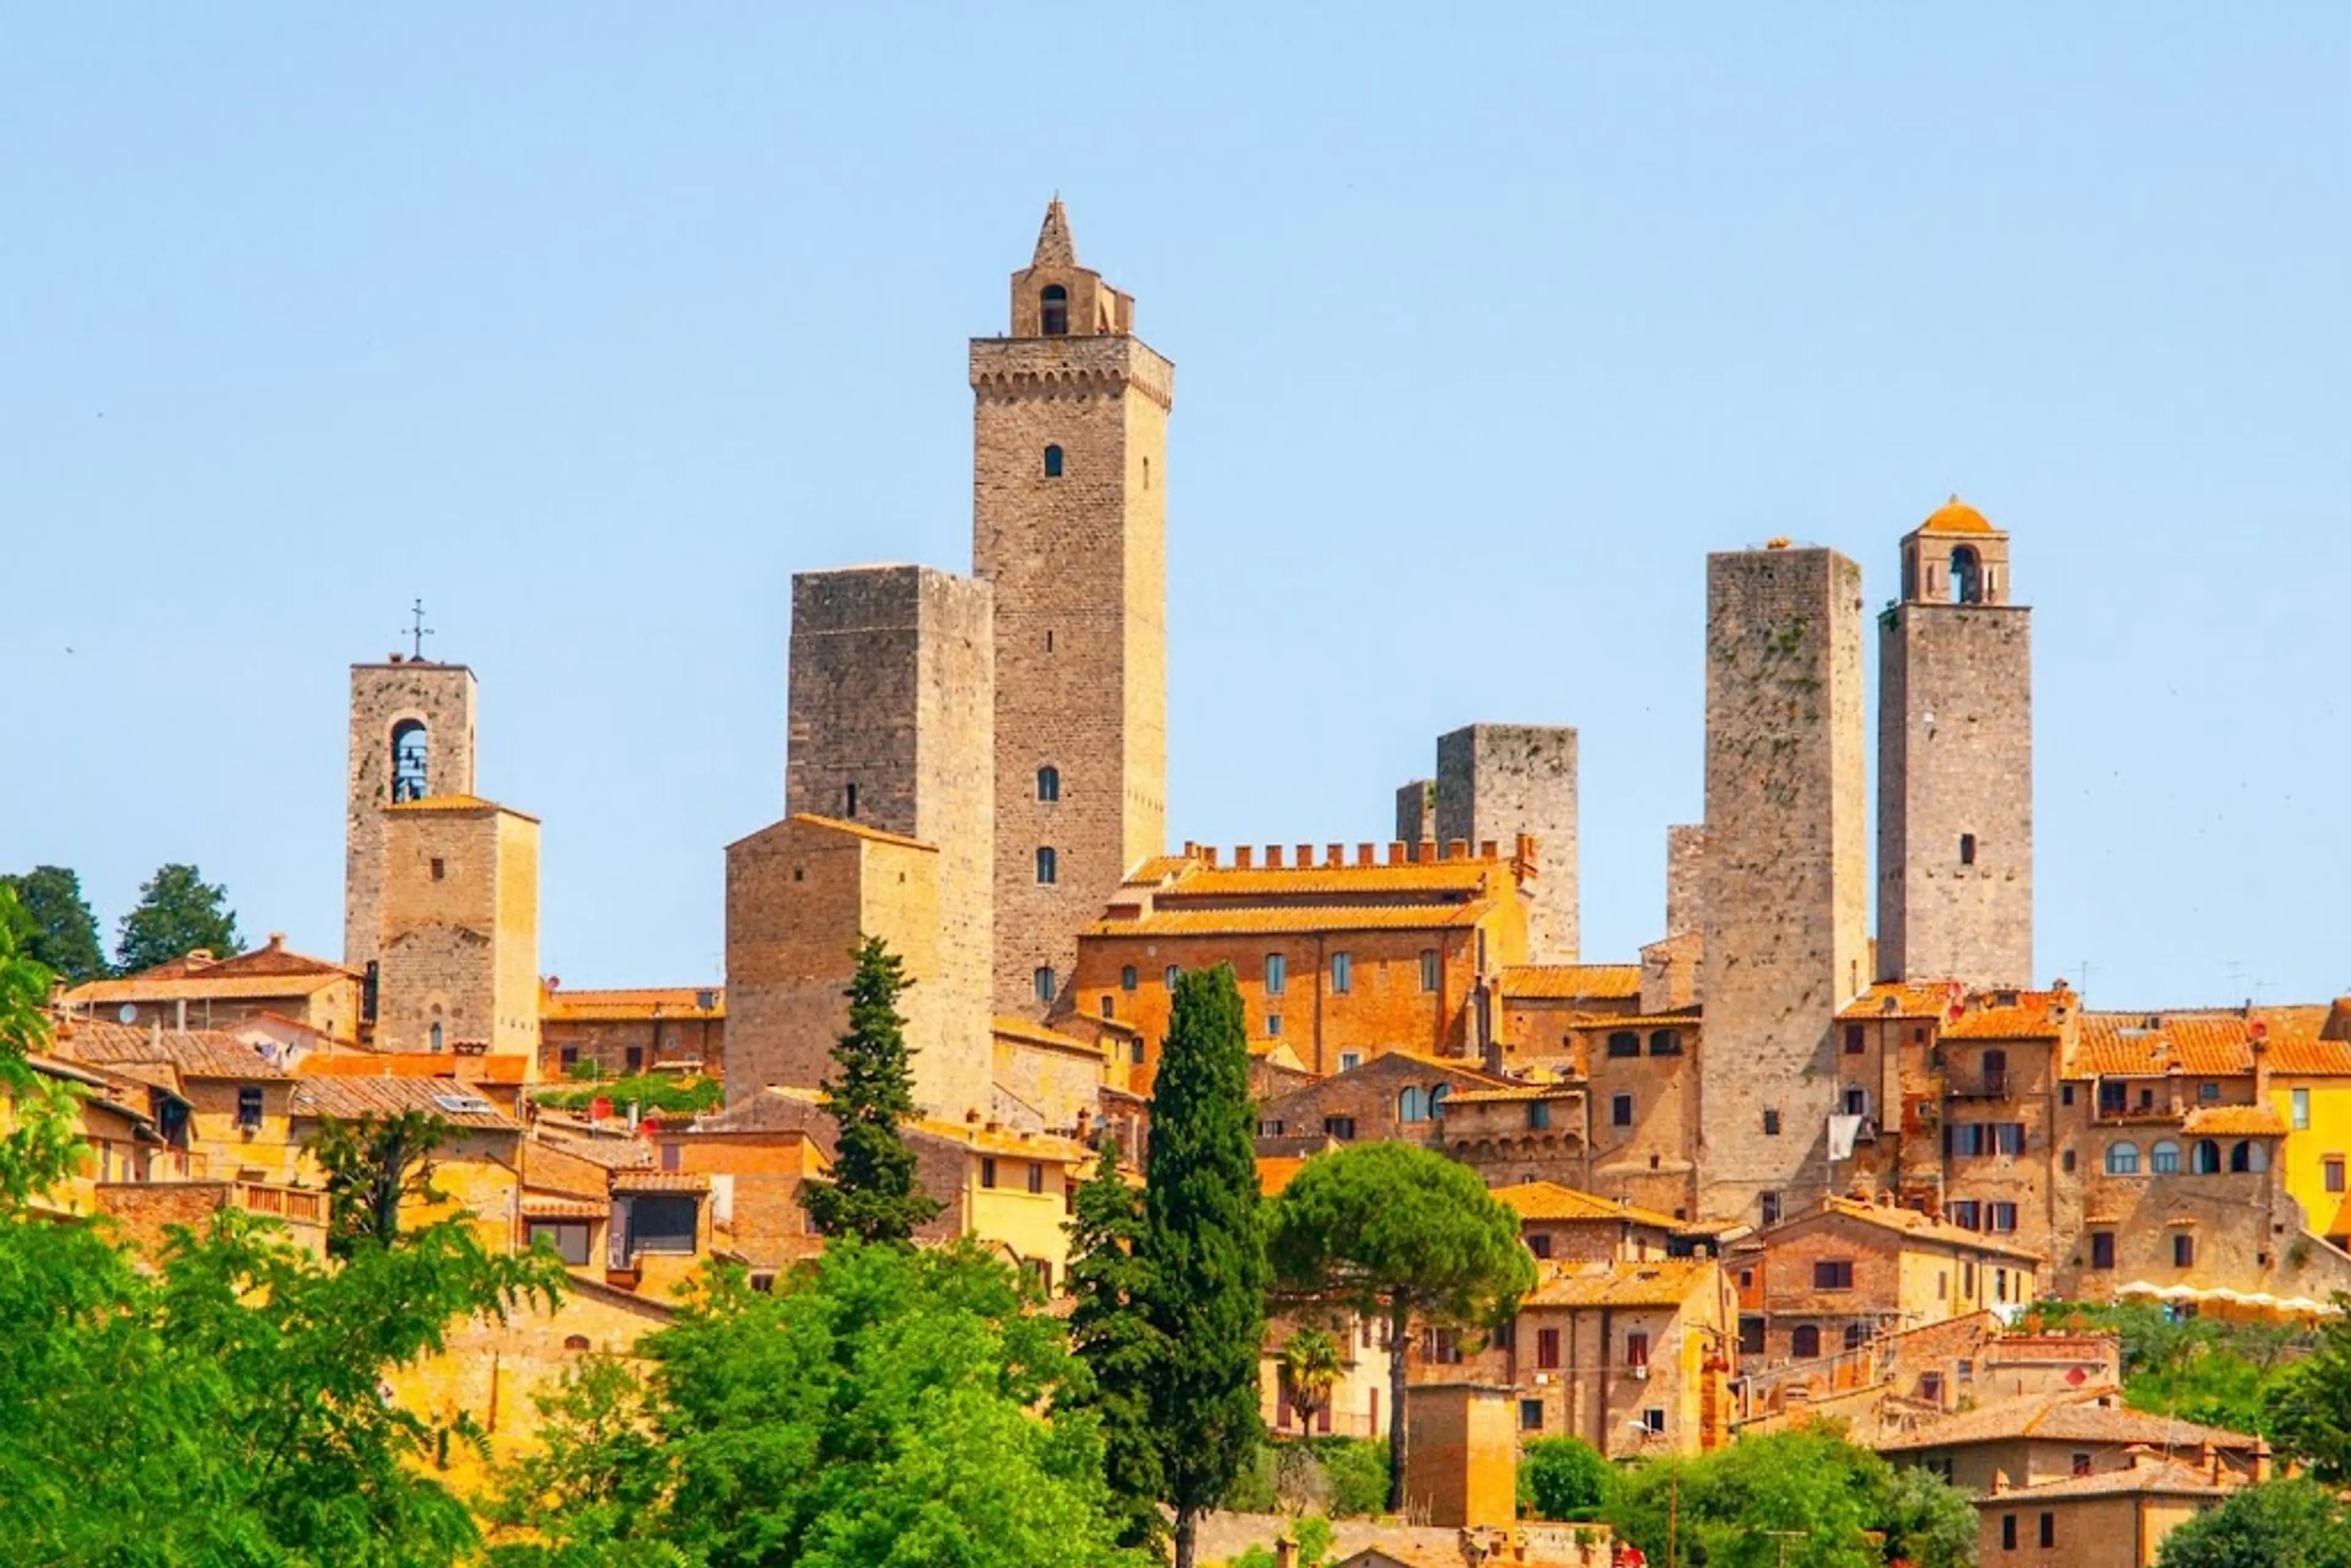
point(460, 933)
point(1786, 890)
point(1954, 763)
point(1415, 811)
point(1648, 1161)
point(1685, 878)
point(1495, 781)
point(892, 725)
point(608, 1043)
point(383, 697)
point(1371, 1098)
point(1078, 562)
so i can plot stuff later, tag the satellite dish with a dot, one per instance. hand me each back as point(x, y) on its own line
point(129, 1012)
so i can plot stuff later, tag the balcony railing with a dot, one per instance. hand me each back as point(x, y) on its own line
point(1983, 1086)
point(296, 1206)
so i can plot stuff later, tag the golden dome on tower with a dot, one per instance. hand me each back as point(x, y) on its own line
point(1957, 518)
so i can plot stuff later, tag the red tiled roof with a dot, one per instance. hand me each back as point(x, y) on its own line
point(660, 1002)
point(1903, 999)
point(1549, 1201)
point(660, 1181)
point(2034, 1015)
point(195, 1053)
point(347, 1099)
point(2075, 1415)
point(1572, 982)
point(1664, 1283)
point(1907, 1222)
point(2213, 1044)
point(2234, 1122)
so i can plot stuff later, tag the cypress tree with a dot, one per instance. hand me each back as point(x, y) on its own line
point(1109, 1332)
point(872, 1195)
point(1205, 1251)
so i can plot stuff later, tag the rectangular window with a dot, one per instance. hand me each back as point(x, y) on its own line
point(1268, 1127)
point(2048, 1528)
point(440, 868)
point(1128, 979)
point(1854, 1037)
point(1620, 1110)
point(1770, 1209)
point(1636, 1349)
point(2080, 1464)
point(1624, 1042)
point(1751, 1336)
point(663, 1225)
point(2064, 1094)
point(1967, 1281)
point(2302, 1110)
point(2333, 1166)
point(2008, 1138)
point(1135, 1053)
point(570, 1057)
point(1654, 1417)
point(636, 1055)
point(987, 1170)
point(1277, 974)
point(2008, 1532)
point(248, 1109)
point(1529, 1415)
point(672, 1157)
point(2113, 1099)
point(1832, 1274)
point(1108, 1005)
point(2207, 1094)
point(1429, 973)
point(1273, 1026)
point(1036, 1177)
point(1771, 1124)
point(1342, 973)
point(1931, 1387)
point(2001, 1218)
point(1538, 1114)
point(1539, 1245)
point(2102, 1248)
point(1964, 1212)
point(1350, 1060)
point(569, 1239)
point(2183, 1250)
point(1999, 1284)
point(1173, 970)
point(1547, 1349)
point(1339, 1127)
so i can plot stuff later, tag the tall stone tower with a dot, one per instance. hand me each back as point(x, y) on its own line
point(459, 942)
point(1955, 761)
point(412, 738)
point(1495, 781)
point(1069, 525)
point(1785, 891)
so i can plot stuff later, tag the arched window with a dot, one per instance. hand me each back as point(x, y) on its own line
point(1043, 982)
point(2207, 1157)
point(2122, 1159)
point(2247, 1157)
point(1049, 783)
point(437, 1036)
point(1053, 310)
point(1852, 1336)
point(1412, 1105)
point(2164, 1158)
point(1048, 864)
point(575, 1341)
point(1436, 1098)
point(1665, 1043)
point(1127, 979)
point(1052, 463)
point(412, 761)
point(1805, 1342)
point(1624, 1042)
point(1967, 576)
point(1172, 972)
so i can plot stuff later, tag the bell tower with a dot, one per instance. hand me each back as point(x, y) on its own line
point(1955, 761)
point(412, 739)
point(1069, 525)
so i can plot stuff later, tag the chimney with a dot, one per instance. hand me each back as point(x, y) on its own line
point(277, 941)
point(1999, 1482)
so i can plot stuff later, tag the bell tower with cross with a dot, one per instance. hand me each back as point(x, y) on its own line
point(412, 724)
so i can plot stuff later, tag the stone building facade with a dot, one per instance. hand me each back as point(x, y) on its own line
point(412, 725)
point(1786, 892)
point(1496, 781)
point(459, 967)
point(1069, 525)
point(1955, 762)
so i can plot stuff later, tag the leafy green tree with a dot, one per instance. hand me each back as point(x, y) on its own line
point(2279, 1525)
point(1113, 1338)
point(648, 1092)
point(1204, 1249)
point(2309, 1408)
point(1401, 1233)
point(1310, 1365)
point(593, 1493)
point(1562, 1477)
point(879, 1410)
point(63, 933)
point(374, 1164)
point(872, 1195)
point(1927, 1521)
point(178, 912)
point(1310, 1533)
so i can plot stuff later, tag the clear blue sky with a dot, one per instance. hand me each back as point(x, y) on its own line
point(591, 324)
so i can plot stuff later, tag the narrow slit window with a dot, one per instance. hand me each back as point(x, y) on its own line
point(849, 800)
point(1049, 866)
point(1049, 784)
point(1052, 463)
point(1966, 849)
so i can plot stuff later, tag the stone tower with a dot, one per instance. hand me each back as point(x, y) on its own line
point(459, 940)
point(1955, 762)
point(412, 737)
point(892, 729)
point(1069, 525)
point(1495, 781)
point(1785, 892)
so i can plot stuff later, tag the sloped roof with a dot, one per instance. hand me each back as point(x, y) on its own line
point(2234, 1122)
point(1903, 999)
point(2211, 1044)
point(2034, 1015)
point(634, 1181)
point(620, 1006)
point(2094, 1414)
point(1903, 1222)
point(1549, 1201)
point(1274, 1171)
point(347, 1099)
point(612, 1153)
point(1004, 1026)
point(977, 1136)
point(1572, 982)
point(192, 1054)
point(1665, 1283)
point(2164, 1477)
point(863, 830)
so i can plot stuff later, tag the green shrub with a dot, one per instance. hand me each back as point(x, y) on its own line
point(1562, 1478)
point(648, 1092)
point(1356, 1471)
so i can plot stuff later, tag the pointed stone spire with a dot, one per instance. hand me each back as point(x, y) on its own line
point(1054, 246)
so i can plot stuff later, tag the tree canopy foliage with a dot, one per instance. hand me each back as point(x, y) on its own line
point(373, 1165)
point(2308, 1404)
point(1564, 1478)
point(1204, 1249)
point(2208, 1370)
point(1398, 1232)
point(1111, 1334)
point(2279, 1525)
point(872, 1195)
point(59, 932)
point(178, 912)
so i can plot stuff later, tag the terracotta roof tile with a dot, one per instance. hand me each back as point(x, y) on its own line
point(1907, 1222)
point(664, 1001)
point(631, 1181)
point(2207, 1044)
point(612, 1153)
point(1044, 1146)
point(554, 1205)
point(1664, 1283)
point(1680, 1017)
point(2234, 1120)
point(863, 830)
point(1274, 1171)
point(198, 987)
point(1564, 1088)
point(197, 1054)
point(347, 1099)
point(457, 804)
point(2165, 1477)
point(2093, 1414)
point(1280, 918)
point(2034, 1015)
point(1006, 1027)
point(1569, 982)
point(1549, 1201)
point(1455, 877)
point(1904, 999)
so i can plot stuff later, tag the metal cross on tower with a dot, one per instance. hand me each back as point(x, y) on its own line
point(419, 632)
